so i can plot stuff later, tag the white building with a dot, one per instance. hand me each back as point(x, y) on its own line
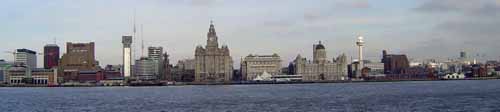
point(127, 55)
point(454, 76)
point(254, 65)
point(26, 57)
point(320, 68)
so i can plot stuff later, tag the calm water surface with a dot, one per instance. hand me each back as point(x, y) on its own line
point(480, 95)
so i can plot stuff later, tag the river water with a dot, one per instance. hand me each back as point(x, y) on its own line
point(424, 96)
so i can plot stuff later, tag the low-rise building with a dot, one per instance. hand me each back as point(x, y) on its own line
point(454, 76)
point(37, 76)
point(321, 68)
point(255, 65)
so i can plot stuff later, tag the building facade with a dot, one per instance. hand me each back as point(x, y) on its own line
point(26, 57)
point(186, 64)
point(213, 64)
point(156, 55)
point(394, 63)
point(166, 68)
point(255, 65)
point(144, 69)
point(127, 55)
point(320, 68)
point(78, 57)
point(184, 70)
point(36, 76)
point(50, 56)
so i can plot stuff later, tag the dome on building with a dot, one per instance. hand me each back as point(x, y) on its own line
point(320, 46)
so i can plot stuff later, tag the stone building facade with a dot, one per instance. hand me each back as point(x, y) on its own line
point(254, 65)
point(78, 57)
point(213, 64)
point(320, 68)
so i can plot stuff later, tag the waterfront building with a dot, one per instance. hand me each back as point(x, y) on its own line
point(144, 69)
point(321, 68)
point(4, 66)
point(90, 76)
point(254, 65)
point(50, 56)
point(26, 57)
point(20, 75)
point(213, 63)
point(127, 55)
point(376, 68)
point(184, 70)
point(78, 57)
point(112, 72)
point(394, 63)
point(156, 55)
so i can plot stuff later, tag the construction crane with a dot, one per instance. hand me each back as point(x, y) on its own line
point(13, 54)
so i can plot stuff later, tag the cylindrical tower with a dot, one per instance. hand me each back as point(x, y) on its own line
point(127, 55)
point(360, 43)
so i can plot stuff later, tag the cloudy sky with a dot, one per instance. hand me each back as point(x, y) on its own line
point(420, 28)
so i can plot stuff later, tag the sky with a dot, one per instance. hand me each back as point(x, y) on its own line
point(422, 29)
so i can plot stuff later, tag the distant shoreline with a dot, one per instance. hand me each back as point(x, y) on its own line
point(250, 83)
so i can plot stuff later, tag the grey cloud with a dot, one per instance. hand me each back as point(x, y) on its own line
point(466, 24)
point(328, 11)
point(467, 7)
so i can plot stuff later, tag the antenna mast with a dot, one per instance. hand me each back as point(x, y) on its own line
point(134, 30)
point(142, 40)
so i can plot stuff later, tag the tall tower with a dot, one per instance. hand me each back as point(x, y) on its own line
point(212, 40)
point(360, 43)
point(127, 55)
point(155, 54)
point(51, 56)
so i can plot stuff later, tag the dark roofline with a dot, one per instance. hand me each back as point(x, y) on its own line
point(26, 51)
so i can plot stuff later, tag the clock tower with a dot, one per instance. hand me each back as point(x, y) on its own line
point(212, 37)
point(213, 63)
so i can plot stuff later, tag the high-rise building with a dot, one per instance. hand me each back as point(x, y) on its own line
point(144, 69)
point(51, 56)
point(156, 54)
point(127, 55)
point(255, 65)
point(213, 64)
point(26, 57)
point(321, 68)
